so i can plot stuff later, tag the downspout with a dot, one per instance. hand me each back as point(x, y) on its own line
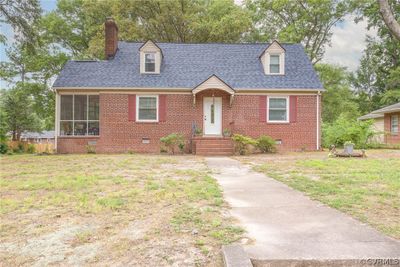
point(318, 119)
point(56, 122)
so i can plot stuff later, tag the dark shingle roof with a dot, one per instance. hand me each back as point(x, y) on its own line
point(43, 134)
point(187, 65)
point(388, 109)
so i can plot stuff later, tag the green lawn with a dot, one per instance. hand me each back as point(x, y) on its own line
point(368, 189)
point(110, 209)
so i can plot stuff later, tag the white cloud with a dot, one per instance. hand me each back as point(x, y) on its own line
point(348, 43)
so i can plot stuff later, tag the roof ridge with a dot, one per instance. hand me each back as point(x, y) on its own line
point(188, 43)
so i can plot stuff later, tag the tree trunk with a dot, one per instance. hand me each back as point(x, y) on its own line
point(14, 135)
point(389, 19)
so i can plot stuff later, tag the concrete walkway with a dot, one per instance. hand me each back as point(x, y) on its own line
point(286, 224)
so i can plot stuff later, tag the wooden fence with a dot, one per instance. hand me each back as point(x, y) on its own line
point(39, 147)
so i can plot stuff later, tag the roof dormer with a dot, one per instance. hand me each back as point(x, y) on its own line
point(150, 58)
point(273, 59)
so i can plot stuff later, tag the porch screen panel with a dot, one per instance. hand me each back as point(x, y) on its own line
point(79, 115)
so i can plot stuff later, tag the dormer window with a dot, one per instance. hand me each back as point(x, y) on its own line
point(150, 58)
point(150, 62)
point(273, 59)
point(274, 64)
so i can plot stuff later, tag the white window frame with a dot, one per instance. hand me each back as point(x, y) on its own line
point(391, 124)
point(287, 109)
point(137, 108)
point(281, 63)
point(73, 115)
point(269, 64)
point(155, 62)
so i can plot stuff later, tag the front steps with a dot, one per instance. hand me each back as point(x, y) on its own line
point(213, 146)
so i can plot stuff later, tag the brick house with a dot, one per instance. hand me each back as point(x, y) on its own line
point(144, 91)
point(386, 121)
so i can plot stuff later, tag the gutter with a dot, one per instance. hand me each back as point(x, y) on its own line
point(56, 120)
point(318, 119)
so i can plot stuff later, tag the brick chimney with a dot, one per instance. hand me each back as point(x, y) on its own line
point(111, 38)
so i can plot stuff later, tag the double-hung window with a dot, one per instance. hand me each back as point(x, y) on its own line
point(79, 115)
point(149, 62)
point(394, 124)
point(147, 108)
point(278, 109)
point(274, 64)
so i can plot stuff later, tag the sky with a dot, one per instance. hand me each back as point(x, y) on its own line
point(348, 40)
point(348, 43)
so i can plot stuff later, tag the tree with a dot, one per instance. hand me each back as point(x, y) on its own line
point(161, 21)
point(306, 22)
point(380, 58)
point(338, 98)
point(392, 94)
point(389, 18)
point(21, 15)
point(33, 70)
point(20, 116)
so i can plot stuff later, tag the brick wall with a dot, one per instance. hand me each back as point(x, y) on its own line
point(117, 134)
point(391, 138)
point(73, 144)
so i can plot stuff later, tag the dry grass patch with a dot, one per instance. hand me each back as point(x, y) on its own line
point(367, 188)
point(124, 209)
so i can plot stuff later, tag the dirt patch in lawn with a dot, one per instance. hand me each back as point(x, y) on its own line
point(366, 188)
point(144, 210)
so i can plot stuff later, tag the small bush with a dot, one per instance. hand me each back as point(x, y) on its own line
point(3, 148)
point(266, 144)
point(19, 148)
point(91, 149)
point(172, 140)
point(242, 143)
point(31, 149)
point(345, 129)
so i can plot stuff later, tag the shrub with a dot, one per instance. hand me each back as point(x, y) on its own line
point(19, 148)
point(345, 129)
point(242, 143)
point(31, 149)
point(172, 140)
point(3, 148)
point(91, 149)
point(266, 144)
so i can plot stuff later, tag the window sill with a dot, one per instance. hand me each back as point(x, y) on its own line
point(278, 122)
point(147, 122)
point(151, 73)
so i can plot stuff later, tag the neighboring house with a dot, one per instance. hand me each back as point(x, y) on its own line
point(44, 137)
point(144, 91)
point(386, 121)
point(378, 127)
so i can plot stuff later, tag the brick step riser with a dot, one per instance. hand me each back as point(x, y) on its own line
point(200, 147)
point(214, 147)
point(214, 143)
point(215, 154)
point(214, 151)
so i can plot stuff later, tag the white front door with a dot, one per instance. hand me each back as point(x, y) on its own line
point(212, 112)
